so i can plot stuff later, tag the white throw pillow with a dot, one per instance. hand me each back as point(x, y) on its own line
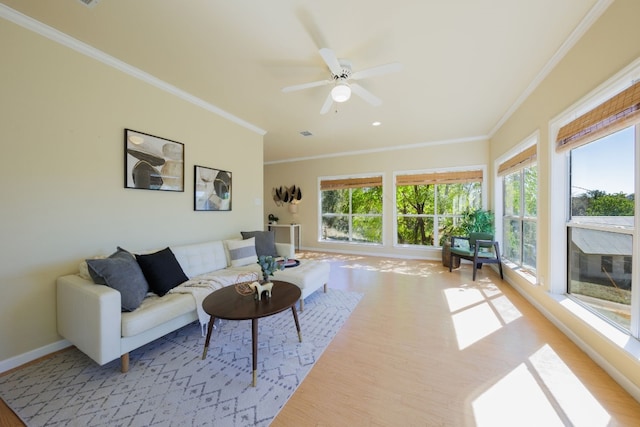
point(242, 252)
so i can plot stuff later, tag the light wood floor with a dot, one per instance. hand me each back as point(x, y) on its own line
point(425, 347)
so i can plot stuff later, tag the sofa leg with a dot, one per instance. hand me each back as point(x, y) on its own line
point(124, 363)
point(301, 305)
point(325, 288)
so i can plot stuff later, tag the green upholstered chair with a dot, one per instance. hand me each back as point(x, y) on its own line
point(479, 248)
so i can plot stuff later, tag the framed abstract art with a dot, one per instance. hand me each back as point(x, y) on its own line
point(152, 163)
point(212, 189)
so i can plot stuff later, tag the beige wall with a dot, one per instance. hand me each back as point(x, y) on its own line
point(305, 174)
point(63, 116)
point(609, 46)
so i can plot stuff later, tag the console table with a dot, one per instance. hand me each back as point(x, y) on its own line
point(293, 237)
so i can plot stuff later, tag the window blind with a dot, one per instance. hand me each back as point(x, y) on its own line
point(460, 177)
point(519, 161)
point(340, 184)
point(617, 113)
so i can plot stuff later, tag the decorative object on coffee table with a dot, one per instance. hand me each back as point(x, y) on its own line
point(244, 288)
point(269, 265)
point(261, 288)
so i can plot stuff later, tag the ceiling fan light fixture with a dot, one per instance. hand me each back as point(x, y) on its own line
point(341, 92)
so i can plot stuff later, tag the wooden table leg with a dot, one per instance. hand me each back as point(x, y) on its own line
point(295, 317)
point(206, 343)
point(254, 343)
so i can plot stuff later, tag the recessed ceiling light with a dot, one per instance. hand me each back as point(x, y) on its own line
point(376, 124)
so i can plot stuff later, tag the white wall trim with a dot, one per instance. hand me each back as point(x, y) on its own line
point(30, 356)
point(87, 50)
point(617, 376)
point(384, 149)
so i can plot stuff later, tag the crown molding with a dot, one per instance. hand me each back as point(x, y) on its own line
point(383, 149)
point(87, 50)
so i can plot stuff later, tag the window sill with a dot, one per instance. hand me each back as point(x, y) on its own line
point(620, 338)
point(523, 273)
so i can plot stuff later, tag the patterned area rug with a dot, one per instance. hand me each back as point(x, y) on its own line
point(168, 383)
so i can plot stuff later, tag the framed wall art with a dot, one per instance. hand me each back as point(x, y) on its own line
point(152, 163)
point(212, 189)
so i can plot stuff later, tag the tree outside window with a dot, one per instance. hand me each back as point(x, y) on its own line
point(427, 205)
point(351, 210)
point(520, 192)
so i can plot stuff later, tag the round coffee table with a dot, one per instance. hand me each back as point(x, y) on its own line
point(228, 304)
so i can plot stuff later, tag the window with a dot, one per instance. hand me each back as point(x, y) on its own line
point(427, 204)
point(601, 225)
point(351, 210)
point(520, 208)
point(519, 221)
point(594, 164)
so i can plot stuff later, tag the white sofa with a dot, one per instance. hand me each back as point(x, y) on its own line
point(90, 316)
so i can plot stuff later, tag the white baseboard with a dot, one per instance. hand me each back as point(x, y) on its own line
point(422, 254)
point(30, 356)
point(622, 380)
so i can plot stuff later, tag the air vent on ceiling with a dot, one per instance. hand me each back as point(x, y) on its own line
point(89, 3)
point(305, 133)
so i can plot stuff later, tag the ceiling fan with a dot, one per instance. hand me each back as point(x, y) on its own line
point(342, 78)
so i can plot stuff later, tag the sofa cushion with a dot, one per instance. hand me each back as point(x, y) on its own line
point(265, 242)
point(154, 311)
point(121, 272)
point(242, 252)
point(200, 258)
point(162, 271)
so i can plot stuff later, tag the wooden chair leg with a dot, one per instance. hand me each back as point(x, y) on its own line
point(124, 363)
point(301, 305)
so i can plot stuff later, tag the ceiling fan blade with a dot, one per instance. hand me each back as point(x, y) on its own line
point(327, 104)
point(305, 85)
point(377, 71)
point(365, 94)
point(331, 60)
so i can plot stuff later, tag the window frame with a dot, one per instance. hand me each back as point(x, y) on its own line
point(350, 215)
point(435, 215)
point(560, 192)
point(530, 141)
point(522, 218)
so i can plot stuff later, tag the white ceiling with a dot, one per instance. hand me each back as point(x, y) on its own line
point(466, 63)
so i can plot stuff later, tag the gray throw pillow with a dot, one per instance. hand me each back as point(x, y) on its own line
point(265, 242)
point(121, 272)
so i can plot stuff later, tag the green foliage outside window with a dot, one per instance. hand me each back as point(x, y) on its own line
point(352, 215)
point(601, 203)
point(417, 220)
point(520, 192)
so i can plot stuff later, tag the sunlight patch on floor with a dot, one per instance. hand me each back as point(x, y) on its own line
point(477, 313)
point(459, 298)
point(579, 405)
point(474, 324)
point(517, 396)
point(542, 391)
point(396, 267)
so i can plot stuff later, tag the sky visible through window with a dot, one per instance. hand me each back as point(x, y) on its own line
point(606, 165)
